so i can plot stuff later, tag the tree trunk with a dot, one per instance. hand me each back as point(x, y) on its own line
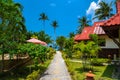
point(43, 25)
point(119, 42)
point(54, 37)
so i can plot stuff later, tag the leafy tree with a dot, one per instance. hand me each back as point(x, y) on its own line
point(12, 28)
point(95, 38)
point(83, 23)
point(81, 47)
point(104, 12)
point(87, 50)
point(69, 43)
point(60, 42)
point(39, 35)
point(44, 37)
point(34, 36)
point(97, 41)
point(29, 34)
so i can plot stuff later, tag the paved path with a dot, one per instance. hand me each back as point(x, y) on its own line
point(57, 69)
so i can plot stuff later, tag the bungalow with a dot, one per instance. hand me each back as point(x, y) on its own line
point(112, 26)
point(108, 48)
point(109, 30)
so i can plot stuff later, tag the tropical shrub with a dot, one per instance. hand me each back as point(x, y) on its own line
point(33, 75)
point(60, 42)
point(50, 53)
point(68, 46)
point(98, 61)
point(36, 52)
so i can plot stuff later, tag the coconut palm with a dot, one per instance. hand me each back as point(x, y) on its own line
point(54, 25)
point(43, 17)
point(83, 22)
point(71, 34)
point(104, 11)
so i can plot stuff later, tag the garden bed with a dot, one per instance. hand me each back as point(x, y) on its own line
point(101, 72)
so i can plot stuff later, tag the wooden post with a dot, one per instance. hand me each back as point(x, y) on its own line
point(119, 42)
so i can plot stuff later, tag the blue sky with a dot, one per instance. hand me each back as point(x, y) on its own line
point(66, 12)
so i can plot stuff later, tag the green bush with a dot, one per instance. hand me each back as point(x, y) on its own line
point(33, 75)
point(70, 67)
point(50, 53)
point(98, 61)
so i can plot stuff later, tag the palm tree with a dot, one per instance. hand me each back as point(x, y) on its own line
point(54, 25)
point(104, 12)
point(71, 34)
point(83, 22)
point(43, 17)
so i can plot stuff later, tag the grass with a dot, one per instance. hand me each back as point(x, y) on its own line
point(23, 72)
point(77, 73)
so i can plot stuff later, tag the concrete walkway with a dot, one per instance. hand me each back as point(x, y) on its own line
point(57, 69)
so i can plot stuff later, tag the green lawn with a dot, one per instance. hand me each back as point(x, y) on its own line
point(77, 73)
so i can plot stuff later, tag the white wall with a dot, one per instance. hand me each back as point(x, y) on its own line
point(109, 42)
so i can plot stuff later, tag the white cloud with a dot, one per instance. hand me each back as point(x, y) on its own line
point(53, 4)
point(99, 1)
point(93, 6)
point(91, 10)
point(78, 16)
point(69, 2)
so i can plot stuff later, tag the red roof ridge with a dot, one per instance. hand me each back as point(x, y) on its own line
point(97, 23)
point(95, 29)
point(114, 20)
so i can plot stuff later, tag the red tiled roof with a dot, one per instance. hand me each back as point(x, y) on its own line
point(118, 6)
point(85, 34)
point(95, 29)
point(114, 20)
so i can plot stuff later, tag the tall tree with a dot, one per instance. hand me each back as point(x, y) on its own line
point(71, 34)
point(104, 11)
point(54, 25)
point(61, 42)
point(39, 35)
point(44, 37)
point(68, 46)
point(83, 22)
point(43, 17)
point(12, 28)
